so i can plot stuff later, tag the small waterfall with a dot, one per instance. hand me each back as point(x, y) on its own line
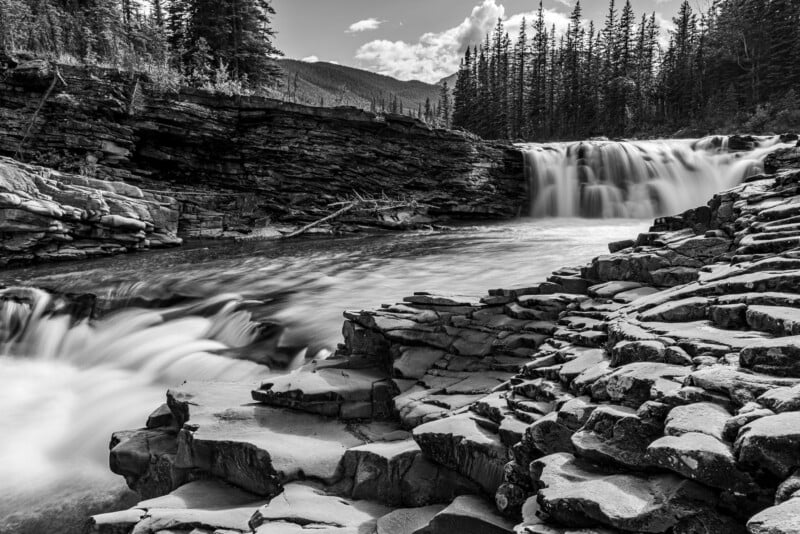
point(635, 179)
point(66, 384)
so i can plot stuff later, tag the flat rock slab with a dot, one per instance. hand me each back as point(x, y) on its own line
point(207, 504)
point(706, 332)
point(470, 514)
point(460, 443)
point(327, 391)
point(258, 447)
point(576, 496)
point(781, 519)
point(307, 504)
point(205, 494)
point(607, 290)
point(408, 520)
point(737, 383)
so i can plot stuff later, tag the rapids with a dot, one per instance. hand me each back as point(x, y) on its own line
point(637, 179)
point(195, 314)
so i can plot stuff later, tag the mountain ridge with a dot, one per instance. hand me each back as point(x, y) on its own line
point(322, 83)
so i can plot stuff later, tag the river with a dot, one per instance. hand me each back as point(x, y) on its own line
point(205, 311)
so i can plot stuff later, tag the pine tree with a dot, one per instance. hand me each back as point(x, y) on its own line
point(444, 106)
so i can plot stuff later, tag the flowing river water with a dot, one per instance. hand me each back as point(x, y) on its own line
point(230, 311)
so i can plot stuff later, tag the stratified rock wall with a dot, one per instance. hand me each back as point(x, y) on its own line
point(50, 215)
point(238, 163)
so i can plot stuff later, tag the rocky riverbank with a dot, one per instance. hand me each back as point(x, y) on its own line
point(238, 165)
point(655, 389)
point(48, 215)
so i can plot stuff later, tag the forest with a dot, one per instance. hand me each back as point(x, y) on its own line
point(221, 44)
point(731, 68)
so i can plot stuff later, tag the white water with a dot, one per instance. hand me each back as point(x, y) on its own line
point(66, 386)
point(637, 179)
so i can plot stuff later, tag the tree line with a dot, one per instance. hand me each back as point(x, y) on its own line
point(734, 66)
point(200, 41)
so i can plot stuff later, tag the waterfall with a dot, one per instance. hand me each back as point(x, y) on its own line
point(635, 179)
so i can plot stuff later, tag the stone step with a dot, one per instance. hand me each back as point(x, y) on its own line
point(259, 448)
point(331, 391)
point(629, 502)
point(463, 443)
point(776, 320)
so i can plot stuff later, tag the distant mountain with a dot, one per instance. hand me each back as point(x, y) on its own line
point(329, 84)
point(451, 80)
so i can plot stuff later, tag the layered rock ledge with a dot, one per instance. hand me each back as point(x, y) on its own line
point(244, 164)
point(655, 389)
point(51, 215)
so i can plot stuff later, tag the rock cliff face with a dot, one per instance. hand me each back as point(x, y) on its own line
point(656, 389)
point(243, 163)
point(50, 215)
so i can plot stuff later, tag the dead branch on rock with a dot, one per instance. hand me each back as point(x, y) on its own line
point(56, 78)
point(362, 204)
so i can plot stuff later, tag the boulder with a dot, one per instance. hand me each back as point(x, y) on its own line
point(770, 444)
point(704, 417)
point(778, 357)
point(617, 435)
point(700, 457)
point(785, 399)
point(574, 495)
point(632, 384)
point(626, 352)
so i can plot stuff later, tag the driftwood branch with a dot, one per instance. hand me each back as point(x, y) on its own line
point(56, 78)
point(332, 216)
point(359, 204)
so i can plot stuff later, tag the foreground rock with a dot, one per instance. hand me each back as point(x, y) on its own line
point(652, 390)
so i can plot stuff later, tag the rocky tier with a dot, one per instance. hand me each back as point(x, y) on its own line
point(245, 163)
point(656, 389)
point(50, 215)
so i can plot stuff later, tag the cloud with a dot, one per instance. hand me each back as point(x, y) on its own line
point(365, 25)
point(665, 26)
point(310, 59)
point(437, 54)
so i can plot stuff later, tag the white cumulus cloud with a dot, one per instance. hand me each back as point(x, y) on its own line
point(364, 25)
point(310, 59)
point(437, 54)
point(666, 26)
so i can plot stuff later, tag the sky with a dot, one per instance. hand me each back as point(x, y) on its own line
point(420, 39)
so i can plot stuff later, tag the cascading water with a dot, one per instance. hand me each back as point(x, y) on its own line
point(635, 179)
point(67, 384)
